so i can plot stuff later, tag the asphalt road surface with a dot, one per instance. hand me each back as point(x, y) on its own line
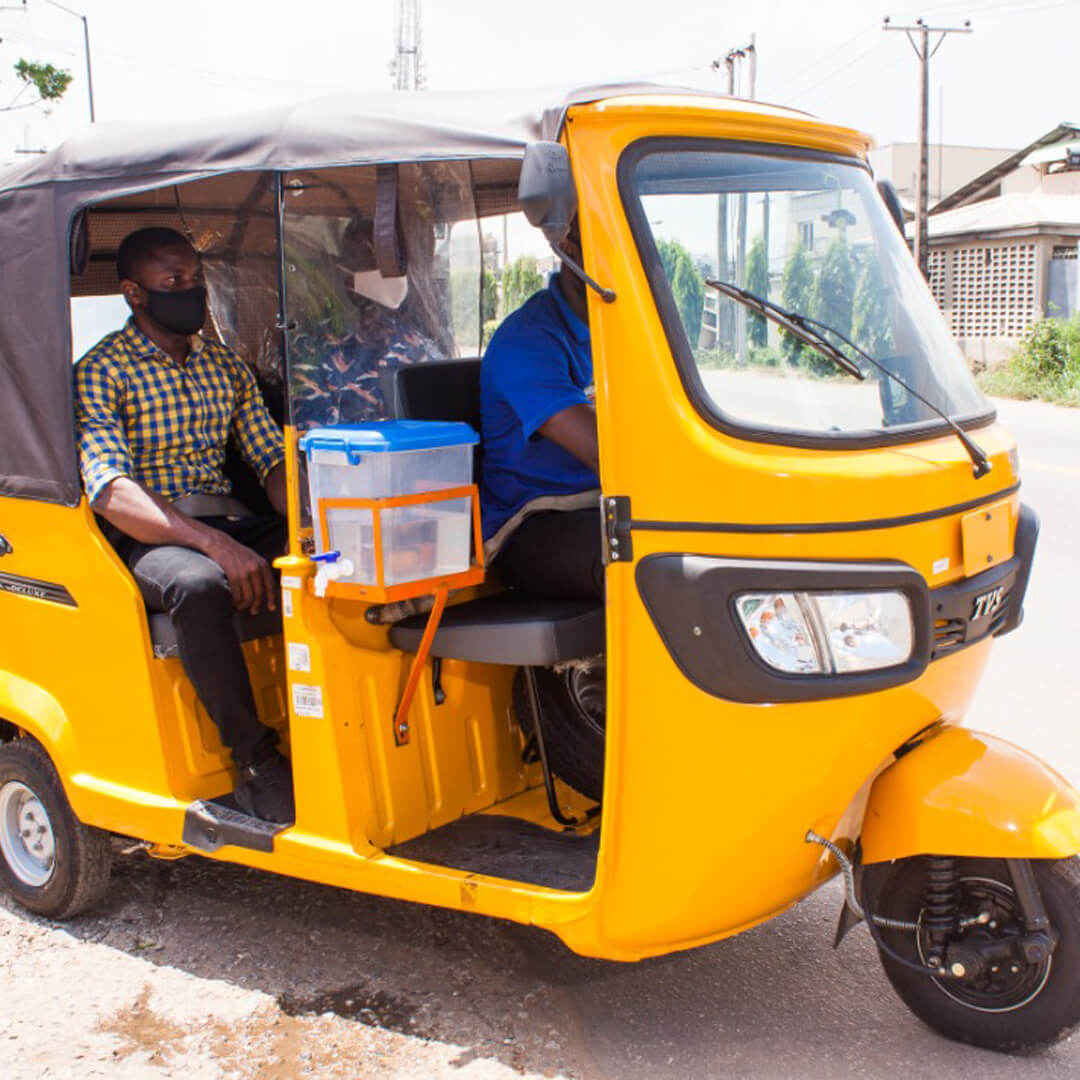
point(200, 969)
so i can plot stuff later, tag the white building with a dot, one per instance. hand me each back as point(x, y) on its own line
point(1003, 246)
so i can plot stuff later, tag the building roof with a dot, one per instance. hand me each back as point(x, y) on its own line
point(1017, 210)
point(975, 189)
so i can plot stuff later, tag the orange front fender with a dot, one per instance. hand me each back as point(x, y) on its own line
point(964, 793)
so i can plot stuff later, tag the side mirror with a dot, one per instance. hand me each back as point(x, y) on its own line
point(892, 203)
point(546, 189)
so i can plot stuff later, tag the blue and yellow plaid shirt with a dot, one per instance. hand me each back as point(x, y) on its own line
point(166, 425)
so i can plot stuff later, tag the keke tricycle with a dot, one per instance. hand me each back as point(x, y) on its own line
point(810, 520)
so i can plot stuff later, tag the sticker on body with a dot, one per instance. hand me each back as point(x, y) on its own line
point(307, 700)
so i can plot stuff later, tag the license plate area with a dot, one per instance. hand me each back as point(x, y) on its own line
point(985, 536)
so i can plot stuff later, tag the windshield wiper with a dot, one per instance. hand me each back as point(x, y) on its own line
point(812, 332)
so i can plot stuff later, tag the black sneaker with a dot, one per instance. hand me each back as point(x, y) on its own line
point(266, 791)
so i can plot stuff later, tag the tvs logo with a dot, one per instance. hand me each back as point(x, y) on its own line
point(987, 603)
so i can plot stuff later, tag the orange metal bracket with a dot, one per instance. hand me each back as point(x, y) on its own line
point(401, 716)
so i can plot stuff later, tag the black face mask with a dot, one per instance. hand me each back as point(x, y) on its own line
point(182, 312)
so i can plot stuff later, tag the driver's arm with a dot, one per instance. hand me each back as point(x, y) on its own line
point(574, 429)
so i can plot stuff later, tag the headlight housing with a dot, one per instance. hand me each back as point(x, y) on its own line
point(828, 633)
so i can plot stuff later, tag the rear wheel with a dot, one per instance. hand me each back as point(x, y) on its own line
point(573, 710)
point(50, 862)
point(1011, 997)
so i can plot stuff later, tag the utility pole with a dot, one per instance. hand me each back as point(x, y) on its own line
point(730, 59)
point(407, 68)
point(923, 51)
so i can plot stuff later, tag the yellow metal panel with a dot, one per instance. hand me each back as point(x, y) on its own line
point(965, 793)
point(987, 537)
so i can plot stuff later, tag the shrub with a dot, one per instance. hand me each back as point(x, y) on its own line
point(1045, 367)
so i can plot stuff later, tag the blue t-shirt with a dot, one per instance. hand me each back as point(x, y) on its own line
point(538, 363)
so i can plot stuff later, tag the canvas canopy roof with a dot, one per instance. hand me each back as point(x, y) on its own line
point(39, 200)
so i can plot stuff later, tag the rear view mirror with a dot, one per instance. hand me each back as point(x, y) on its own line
point(892, 203)
point(546, 189)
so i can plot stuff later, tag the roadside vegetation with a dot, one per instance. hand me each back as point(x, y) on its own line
point(1046, 367)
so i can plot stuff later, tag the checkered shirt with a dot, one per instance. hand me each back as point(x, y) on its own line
point(166, 425)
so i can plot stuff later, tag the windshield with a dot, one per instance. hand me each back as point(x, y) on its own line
point(812, 234)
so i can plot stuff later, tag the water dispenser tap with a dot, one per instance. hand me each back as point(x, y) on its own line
point(331, 566)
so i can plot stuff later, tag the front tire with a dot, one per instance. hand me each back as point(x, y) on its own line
point(50, 862)
point(1015, 1006)
point(573, 711)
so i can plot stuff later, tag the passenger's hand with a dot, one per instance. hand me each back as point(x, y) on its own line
point(250, 577)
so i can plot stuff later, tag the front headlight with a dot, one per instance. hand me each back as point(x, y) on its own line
point(832, 633)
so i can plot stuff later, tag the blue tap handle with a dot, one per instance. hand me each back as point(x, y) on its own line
point(327, 557)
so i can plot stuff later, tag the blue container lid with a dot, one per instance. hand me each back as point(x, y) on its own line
point(388, 436)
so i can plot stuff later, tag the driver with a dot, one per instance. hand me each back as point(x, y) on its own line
point(155, 405)
point(540, 482)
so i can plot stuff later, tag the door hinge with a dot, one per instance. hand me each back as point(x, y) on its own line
point(618, 544)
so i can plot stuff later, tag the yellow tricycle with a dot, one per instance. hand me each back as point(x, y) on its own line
point(810, 522)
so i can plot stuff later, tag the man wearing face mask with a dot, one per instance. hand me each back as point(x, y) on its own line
point(156, 405)
point(335, 377)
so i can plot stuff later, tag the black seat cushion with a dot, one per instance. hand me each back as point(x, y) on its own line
point(445, 390)
point(248, 627)
point(510, 629)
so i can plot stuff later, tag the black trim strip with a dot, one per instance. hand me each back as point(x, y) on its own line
point(36, 590)
point(645, 525)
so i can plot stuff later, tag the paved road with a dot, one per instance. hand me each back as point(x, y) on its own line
point(200, 969)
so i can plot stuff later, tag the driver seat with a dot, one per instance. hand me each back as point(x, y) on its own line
point(503, 628)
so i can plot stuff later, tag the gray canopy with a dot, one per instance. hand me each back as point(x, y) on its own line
point(40, 199)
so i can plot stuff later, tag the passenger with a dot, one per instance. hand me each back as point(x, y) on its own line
point(539, 486)
point(155, 405)
point(336, 377)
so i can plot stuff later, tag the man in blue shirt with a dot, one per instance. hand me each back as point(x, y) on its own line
point(540, 484)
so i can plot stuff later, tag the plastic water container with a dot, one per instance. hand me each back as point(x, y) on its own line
point(387, 459)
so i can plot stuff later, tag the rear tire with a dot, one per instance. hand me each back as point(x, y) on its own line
point(50, 862)
point(573, 705)
point(1018, 1011)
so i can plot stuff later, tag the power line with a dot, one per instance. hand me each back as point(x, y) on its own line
point(839, 71)
point(829, 56)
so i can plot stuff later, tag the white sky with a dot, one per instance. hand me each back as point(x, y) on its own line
point(161, 61)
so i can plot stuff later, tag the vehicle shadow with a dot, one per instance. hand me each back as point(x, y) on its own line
point(775, 1002)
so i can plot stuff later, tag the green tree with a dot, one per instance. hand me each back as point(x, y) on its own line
point(796, 293)
point(834, 298)
point(757, 281)
point(50, 82)
point(489, 296)
point(871, 328)
point(686, 286)
point(520, 280)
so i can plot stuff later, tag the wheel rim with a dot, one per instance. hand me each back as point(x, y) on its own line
point(588, 691)
point(27, 841)
point(1013, 984)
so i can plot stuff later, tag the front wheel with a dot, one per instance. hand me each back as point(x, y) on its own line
point(50, 862)
point(1011, 997)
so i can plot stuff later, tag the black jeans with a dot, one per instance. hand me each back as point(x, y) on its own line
point(194, 591)
point(555, 553)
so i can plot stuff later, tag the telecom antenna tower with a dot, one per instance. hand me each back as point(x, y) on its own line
point(407, 69)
